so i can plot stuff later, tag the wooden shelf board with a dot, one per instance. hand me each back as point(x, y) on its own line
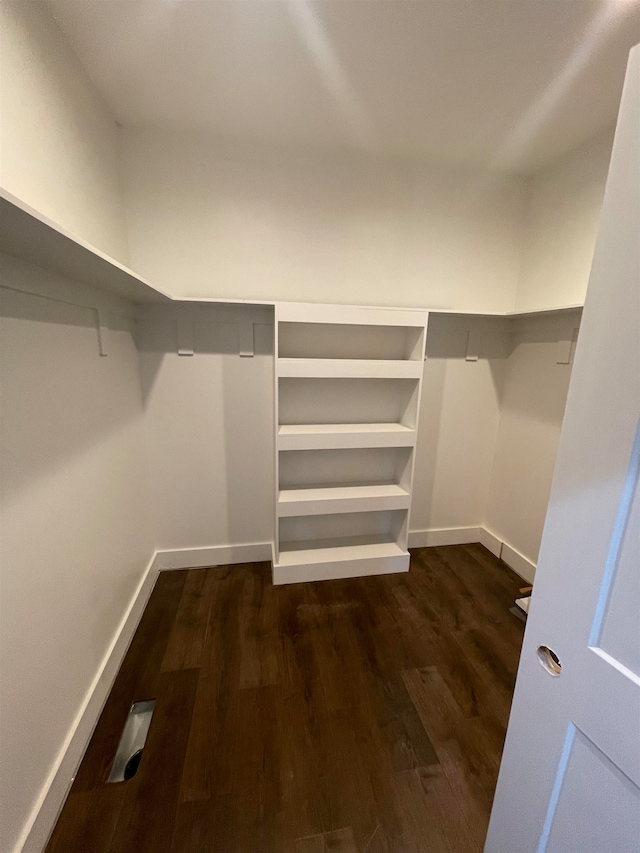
point(349, 368)
point(29, 235)
point(325, 500)
point(327, 436)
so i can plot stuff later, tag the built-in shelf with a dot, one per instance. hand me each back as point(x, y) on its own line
point(540, 312)
point(27, 234)
point(455, 312)
point(332, 499)
point(338, 436)
point(325, 357)
point(328, 368)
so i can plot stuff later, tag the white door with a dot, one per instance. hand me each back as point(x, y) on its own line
point(570, 775)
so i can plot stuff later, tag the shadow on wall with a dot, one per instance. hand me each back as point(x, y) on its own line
point(459, 417)
point(76, 531)
point(63, 397)
point(537, 378)
point(209, 423)
point(72, 443)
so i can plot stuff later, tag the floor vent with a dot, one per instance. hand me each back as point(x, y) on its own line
point(132, 740)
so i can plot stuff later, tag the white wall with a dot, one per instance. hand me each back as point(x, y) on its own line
point(531, 411)
point(76, 532)
point(59, 147)
point(208, 220)
point(460, 411)
point(209, 426)
point(561, 226)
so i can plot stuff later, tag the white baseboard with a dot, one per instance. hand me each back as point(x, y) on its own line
point(222, 555)
point(519, 563)
point(490, 541)
point(367, 567)
point(444, 536)
point(47, 808)
point(217, 555)
point(467, 535)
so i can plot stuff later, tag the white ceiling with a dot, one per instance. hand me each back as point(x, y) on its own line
point(508, 84)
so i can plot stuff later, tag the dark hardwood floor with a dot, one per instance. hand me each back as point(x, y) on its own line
point(356, 715)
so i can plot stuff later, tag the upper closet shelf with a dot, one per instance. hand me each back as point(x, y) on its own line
point(27, 234)
point(335, 368)
point(340, 436)
point(542, 311)
point(30, 235)
point(508, 314)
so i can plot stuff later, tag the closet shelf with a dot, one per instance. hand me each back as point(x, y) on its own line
point(332, 368)
point(339, 436)
point(353, 315)
point(327, 500)
point(350, 557)
point(541, 312)
point(29, 235)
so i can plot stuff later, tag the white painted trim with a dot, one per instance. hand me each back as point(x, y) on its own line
point(216, 555)
point(518, 562)
point(467, 535)
point(333, 570)
point(47, 807)
point(491, 542)
point(222, 555)
point(444, 536)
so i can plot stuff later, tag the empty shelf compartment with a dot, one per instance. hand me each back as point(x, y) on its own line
point(348, 341)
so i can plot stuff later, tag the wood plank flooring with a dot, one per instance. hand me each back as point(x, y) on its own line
point(355, 716)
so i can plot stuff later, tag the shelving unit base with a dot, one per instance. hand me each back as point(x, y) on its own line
point(332, 563)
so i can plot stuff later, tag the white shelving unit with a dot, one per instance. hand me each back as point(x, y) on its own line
point(347, 397)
